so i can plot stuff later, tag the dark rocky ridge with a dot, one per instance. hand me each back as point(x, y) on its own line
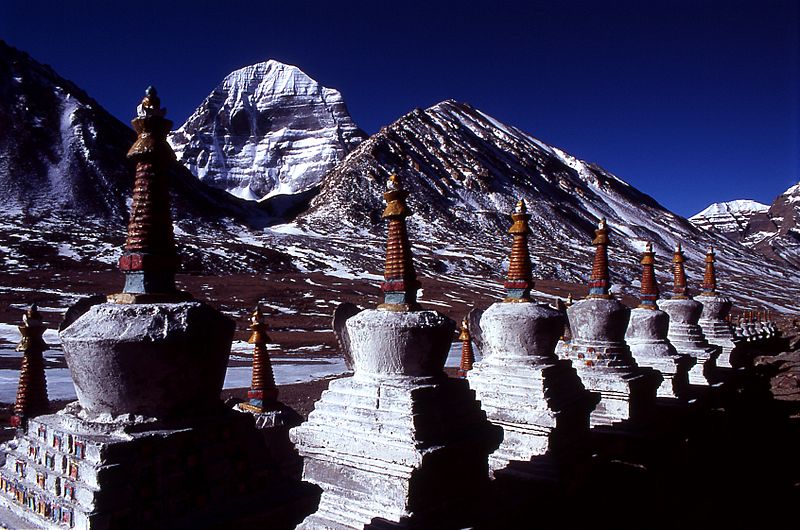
point(50, 155)
point(776, 233)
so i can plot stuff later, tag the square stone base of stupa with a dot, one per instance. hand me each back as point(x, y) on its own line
point(688, 339)
point(539, 402)
point(627, 391)
point(662, 357)
point(719, 333)
point(703, 373)
point(274, 426)
point(70, 471)
point(410, 451)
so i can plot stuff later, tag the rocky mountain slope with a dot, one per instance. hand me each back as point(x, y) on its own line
point(465, 171)
point(58, 148)
point(731, 217)
point(267, 129)
point(776, 232)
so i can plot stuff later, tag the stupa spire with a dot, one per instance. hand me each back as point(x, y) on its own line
point(467, 355)
point(400, 279)
point(150, 259)
point(710, 276)
point(519, 281)
point(649, 289)
point(263, 393)
point(679, 274)
point(598, 281)
point(32, 388)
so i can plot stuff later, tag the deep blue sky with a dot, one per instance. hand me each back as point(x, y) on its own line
point(690, 101)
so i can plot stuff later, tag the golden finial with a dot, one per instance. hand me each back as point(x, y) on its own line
point(150, 105)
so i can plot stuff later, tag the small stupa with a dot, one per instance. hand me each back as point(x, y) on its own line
point(713, 319)
point(647, 335)
point(32, 388)
point(772, 328)
point(684, 331)
point(765, 330)
point(149, 443)
point(263, 393)
point(599, 352)
point(273, 418)
point(399, 440)
point(467, 354)
point(537, 399)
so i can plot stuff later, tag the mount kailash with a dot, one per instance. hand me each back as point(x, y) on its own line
point(267, 129)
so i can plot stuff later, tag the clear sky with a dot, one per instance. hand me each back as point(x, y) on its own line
point(692, 101)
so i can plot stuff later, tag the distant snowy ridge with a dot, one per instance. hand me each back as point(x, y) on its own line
point(267, 129)
point(739, 205)
point(728, 217)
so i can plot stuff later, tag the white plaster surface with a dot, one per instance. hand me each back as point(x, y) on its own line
point(604, 362)
point(367, 436)
point(370, 433)
point(687, 336)
point(647, 338)
point(716, 330)
point(537, 399)
point(412, 343)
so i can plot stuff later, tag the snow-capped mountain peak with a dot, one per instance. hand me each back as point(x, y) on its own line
point(267, 129)
point(270, 79)
point(737, 206)
point(731, 217)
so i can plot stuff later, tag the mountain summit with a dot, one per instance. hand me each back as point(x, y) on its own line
point(465, 171)
point(267, 129)
point(728, 217)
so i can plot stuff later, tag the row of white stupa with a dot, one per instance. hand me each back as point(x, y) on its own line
point(372, 437)
point(398, 444)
